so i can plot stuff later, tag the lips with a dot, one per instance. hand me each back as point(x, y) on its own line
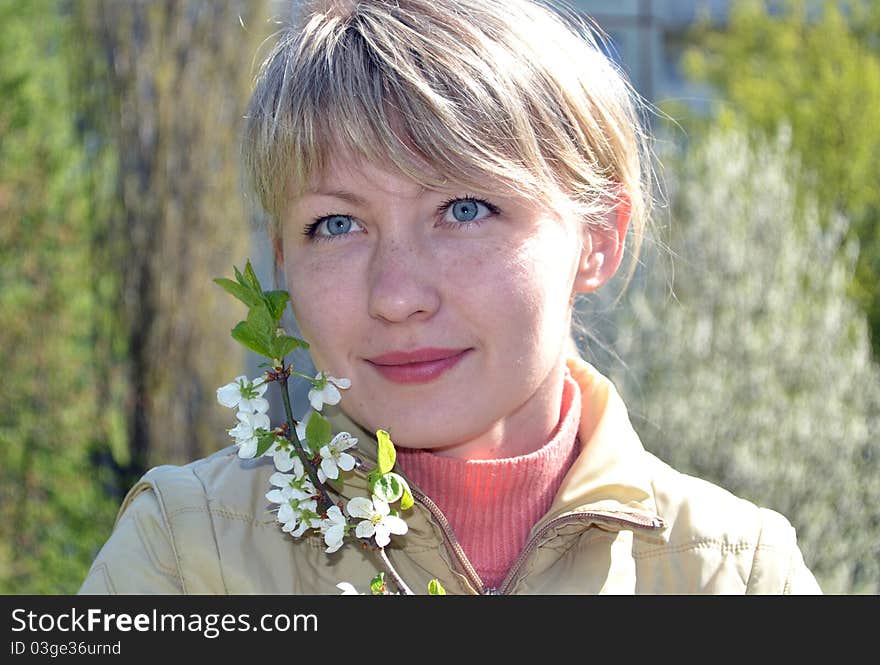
point(418, 366)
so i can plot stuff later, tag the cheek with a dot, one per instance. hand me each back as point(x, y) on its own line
point(322, 300)
point(543, 271)
point(519, 293)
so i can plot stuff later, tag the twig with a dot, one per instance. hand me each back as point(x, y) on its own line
point(389, 568)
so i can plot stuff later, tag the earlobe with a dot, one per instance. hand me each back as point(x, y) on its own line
point(603, 248)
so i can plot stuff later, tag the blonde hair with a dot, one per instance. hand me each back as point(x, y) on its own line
point(486, 94)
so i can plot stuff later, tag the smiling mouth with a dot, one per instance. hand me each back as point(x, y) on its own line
point(419, 366)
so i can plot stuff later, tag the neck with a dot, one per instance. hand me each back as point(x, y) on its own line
point(523, 431)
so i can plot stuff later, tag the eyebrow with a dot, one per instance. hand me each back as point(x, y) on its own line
point(339, 194)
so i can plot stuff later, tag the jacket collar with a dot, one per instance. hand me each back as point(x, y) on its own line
point(611, 474)
point(609, 478)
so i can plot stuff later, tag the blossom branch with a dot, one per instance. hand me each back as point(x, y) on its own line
point(281, 377)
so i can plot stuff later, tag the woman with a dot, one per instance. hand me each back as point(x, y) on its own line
point(443, 178)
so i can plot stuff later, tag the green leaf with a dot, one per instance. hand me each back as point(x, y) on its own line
point(373, 477)
point(285, 344)
point(406, 501)
point(276, 301)
point(251, 278)
point(387, 454)
point(435, 588)
point(389, 487)
point(263, 328)
point(243, 293)
point(318, 432)
point(265, 439)
point(240, 278)
point(243, 334)
point(377, 584)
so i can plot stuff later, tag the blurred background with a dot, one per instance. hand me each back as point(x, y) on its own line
point(746, 344)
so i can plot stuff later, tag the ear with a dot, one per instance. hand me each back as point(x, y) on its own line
point(603, 247)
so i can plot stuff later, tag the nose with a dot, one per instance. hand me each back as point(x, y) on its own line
point(402, 281)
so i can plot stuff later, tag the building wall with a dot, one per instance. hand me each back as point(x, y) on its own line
point(647, 38)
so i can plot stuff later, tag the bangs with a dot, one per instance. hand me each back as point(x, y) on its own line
point(440, 116)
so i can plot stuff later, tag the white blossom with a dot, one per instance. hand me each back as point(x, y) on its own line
point(376, 519)
point(284, 458)
point(348, 589)
point(245, 433)
point(246, 395)
point(334, 457)
point(298, 515)
point(333, 528)
point(290, 486)
point(326, 390)
point(301, 427)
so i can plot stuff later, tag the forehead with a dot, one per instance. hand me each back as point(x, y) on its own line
point(347, 172)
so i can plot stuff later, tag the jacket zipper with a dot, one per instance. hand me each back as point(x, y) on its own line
point(452, 542)
point(589, 517)
point(468, 568)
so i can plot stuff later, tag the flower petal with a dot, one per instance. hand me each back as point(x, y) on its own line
point(300, 530)
point(254, 405)
point(331, 394)
point(334, 547)
point(342, 383)
point(334, 514)
point(345, 462)
point(298, 469)
point(229, 395)
point(381, 506)
point(283, 461)
point(286, 513)
point(301, 426)
point(248, 448)
point(343, 441)
point(360, 506)
point(395, 525)
point(241, 431)
point(328, 466)
point(364, 529)
point(383, 536)
point(334, 536)
point(280, 479)
point(260, 421)
point(276, 496)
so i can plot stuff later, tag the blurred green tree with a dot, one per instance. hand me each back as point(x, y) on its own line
point(53, 505)
point(119, 203)
point(755, 370)
point(163, 87)
point(817, 72)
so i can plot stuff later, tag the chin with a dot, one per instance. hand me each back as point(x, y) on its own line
point(424, 435)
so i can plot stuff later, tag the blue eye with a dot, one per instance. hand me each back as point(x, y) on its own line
point(336, 225)
point(331, 226)
point(467, 210)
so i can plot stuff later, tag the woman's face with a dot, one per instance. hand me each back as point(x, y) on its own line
point(449, 313)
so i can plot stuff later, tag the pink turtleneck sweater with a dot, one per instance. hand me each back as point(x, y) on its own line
point(493, 504)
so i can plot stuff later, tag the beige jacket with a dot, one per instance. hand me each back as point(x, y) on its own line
point(622, 522)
